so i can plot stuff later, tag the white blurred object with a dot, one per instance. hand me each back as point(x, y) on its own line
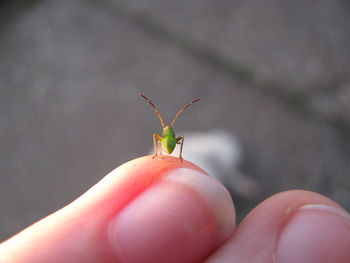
point(219, 153)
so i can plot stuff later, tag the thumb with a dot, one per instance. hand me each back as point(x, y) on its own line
point(147, 210)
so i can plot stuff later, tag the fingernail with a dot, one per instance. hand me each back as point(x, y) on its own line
point(315, 233)
point(181, 218)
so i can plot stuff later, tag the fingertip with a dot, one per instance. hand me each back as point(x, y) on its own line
point(183, 217)
point(146, 208)
point(257, 238)
point(315, 234)
point(128, 180)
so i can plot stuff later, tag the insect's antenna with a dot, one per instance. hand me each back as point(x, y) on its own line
point(182, 109)
point(154, 107)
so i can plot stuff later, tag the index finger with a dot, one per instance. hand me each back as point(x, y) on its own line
point(147, 210)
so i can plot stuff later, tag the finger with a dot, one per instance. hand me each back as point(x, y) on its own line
point(293, 226)
point(147, 210)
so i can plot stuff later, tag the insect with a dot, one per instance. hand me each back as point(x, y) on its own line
point(168, 140)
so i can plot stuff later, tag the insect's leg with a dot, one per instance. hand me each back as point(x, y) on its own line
point(178, 139)
point(155, 143)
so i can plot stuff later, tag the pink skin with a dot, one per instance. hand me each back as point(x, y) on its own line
point(162, 210)
point(274, 230)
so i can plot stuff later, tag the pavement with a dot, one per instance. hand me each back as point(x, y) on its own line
point(275, 75)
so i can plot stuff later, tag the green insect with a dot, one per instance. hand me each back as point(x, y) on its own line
point(168, 139)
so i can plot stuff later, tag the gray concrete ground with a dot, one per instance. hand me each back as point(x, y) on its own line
point(276, 75)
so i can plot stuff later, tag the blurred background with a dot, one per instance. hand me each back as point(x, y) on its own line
point(273, 77)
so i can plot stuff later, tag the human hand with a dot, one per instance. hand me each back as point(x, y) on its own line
point(162, 210)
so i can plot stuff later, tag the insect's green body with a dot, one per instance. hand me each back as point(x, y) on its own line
point(168, 139)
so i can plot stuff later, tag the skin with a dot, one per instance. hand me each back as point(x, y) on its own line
point(162, 210)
